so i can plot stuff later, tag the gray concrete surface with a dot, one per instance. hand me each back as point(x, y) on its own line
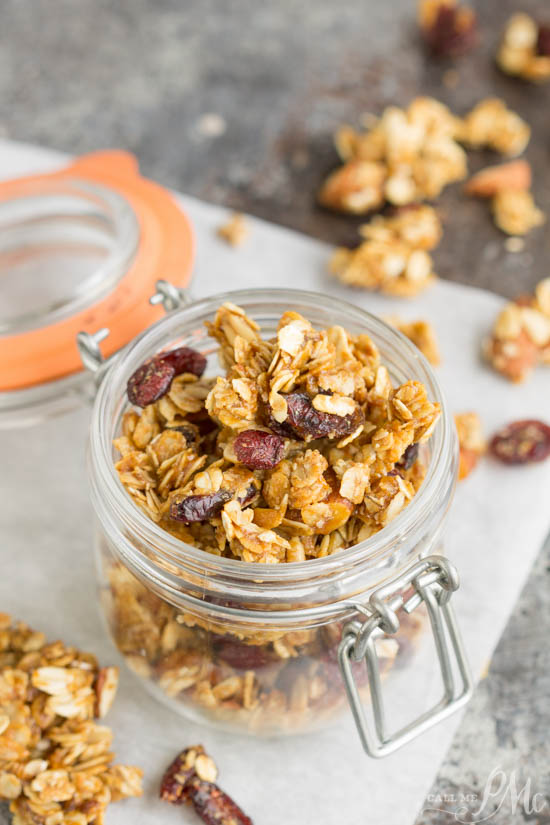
point(235, 102)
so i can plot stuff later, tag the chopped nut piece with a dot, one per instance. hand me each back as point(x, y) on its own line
point(515, 212)
point(471, 441)
point(448, 28)
point(235, 231)
point(357, 187)
point(421, 333)
point(515, 175)
point(525, 49)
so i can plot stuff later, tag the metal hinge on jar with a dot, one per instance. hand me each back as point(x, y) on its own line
point(433, 580)
point(171, 297)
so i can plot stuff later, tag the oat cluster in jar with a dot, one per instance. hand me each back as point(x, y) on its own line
point(301, 449)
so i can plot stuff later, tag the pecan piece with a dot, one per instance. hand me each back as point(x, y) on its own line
point(449, 29)
point(191, 763)
point(487, 182)
point(258, 450)
point(214, 806)
point(105, 687)
point(199, 507)
point(522, 442)
point(241, 656)
point(543, 41)
point(308, 423)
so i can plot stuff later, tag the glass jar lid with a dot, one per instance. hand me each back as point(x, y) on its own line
point(80, 249)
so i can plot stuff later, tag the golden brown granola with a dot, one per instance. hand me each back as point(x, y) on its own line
point(55, 760)
point(471, 441)
point(515, 212)
point(421, 333)
point(235, 231)
point(520, 338)
point(393, 257)
point(493, 125)
point(525, 49)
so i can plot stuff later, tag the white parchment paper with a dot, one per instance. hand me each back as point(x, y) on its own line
point(499, 519)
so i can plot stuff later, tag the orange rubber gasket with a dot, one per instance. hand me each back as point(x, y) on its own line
point(166, 250)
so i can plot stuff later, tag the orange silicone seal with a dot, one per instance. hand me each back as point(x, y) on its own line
point(166, 250)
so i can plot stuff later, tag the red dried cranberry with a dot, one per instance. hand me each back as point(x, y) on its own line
point(250, 494)
point(241, 656)
point(452, 32)
point(199, 507)
point(173, 786)
point(150, 382)
point(185, 359)
point(308, 423)
point(214, 806)
point(258, 450)
point(522, 442)
point(543, 41)
point(409, 457)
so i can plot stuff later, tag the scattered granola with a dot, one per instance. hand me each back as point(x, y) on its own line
point(309, 449)
point(393, 257)
point(515, 212)
point(190, 778)
point(449, 29)
point(491, 124)
point(55, 760)
point(235, 231)
point(525, 49)
point(471, 441)
point(521, 335)
point(421, 333)
point(522, 442)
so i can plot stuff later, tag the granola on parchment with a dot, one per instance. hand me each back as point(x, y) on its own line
point(235, 230)
point(512, 203)
point(525, 48)
point(520, 338)
point(55, 760)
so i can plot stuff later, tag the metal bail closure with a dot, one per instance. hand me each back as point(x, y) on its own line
point(433, 580)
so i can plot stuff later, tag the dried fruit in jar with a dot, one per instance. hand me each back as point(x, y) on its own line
point(308, 423)
point(522, 442)
point(258, 450)
point(199, 507)
point(154, 378)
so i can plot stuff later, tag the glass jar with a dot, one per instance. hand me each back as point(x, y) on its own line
point(263, 648)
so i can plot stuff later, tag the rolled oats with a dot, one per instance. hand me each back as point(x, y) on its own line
point(520, 337)
point(55, 760)
point(524, 50)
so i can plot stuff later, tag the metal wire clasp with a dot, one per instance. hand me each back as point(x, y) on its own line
point(171, 297)
point(433, 581)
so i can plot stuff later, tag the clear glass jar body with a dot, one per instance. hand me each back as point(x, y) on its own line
point(247, 646)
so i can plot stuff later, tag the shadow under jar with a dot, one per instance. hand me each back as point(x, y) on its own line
point(257, 647)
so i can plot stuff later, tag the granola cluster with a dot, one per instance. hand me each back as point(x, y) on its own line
point(394, 254)
point(295, 453)
point(235, 230)
point(406, 157)
point(471, 441)
point(55, 760)
point(525, 49)
point(421, 333)
point(507, 185)
point(521, 335)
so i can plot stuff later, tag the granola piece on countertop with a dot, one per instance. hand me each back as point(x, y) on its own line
point(491, 124)
point(524, 50)
point(235, 230)
point(471, 441)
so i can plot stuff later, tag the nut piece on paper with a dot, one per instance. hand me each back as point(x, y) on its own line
point(520, 338)
point(55, 760)
point(524, 50)
point(515, 175)
point(235, 231)
point(471, 441)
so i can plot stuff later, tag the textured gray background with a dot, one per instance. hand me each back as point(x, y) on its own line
point(148, 76)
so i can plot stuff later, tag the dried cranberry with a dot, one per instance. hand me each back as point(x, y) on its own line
point(173, 786)
point(214, 806)
point(185, 359)
point(150, 382)
point(308, 423)
point(543, 41)
point(409, 457)
point(199, 507)
point(258, 450)
point(249, 494)
point(188, 433)
point(522, 442)
point(241, 656)
point(452, 32)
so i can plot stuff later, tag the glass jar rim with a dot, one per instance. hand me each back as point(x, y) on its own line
point(375, 550)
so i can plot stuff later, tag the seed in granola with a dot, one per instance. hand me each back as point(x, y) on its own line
point(199, 507)
point(522, 442)
point(543, 41)
point(449, 29)
point(150, 382)
point(409, 457)
point(258, 450)
point(242, 656)
point(185, 359)
point(308, 423)
point(214, 806)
